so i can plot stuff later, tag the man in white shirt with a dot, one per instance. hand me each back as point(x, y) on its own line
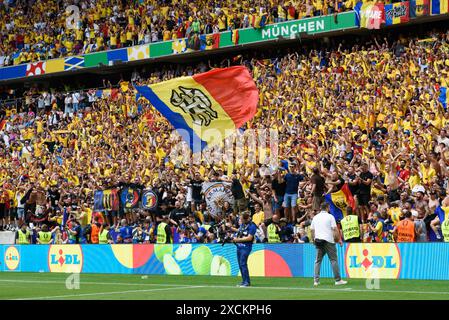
point(324, 234)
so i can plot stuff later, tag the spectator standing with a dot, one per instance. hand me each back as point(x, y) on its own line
point(324, 234)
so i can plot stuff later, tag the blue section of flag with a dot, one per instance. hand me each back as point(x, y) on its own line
point(334, 210)
point(119, 54)
point(443, 97)
point(73, 63)
point(187, 134)
point(357, 9)
point(435, 7)
point(412, 8)
point(64, 219)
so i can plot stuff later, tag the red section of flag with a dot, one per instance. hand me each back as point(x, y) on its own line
point(348, 195)
point(406, 18)
point(235, 36)
point(234, 89)
point(2, 124)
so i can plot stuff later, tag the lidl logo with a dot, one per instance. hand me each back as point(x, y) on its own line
point(65, 258)
point(12, 258)
point(373, 260)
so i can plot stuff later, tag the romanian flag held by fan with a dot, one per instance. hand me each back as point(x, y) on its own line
point(419, 8)
point(439, 6)
point(396, 13)
point(207, 107)
point(338, 201)
point(444, 97)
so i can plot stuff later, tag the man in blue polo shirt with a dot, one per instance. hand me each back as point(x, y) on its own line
point(292, 180)
point(244, 241)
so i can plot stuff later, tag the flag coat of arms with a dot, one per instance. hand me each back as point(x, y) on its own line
point(207, 107)
point(419, 8)
point(338, 201)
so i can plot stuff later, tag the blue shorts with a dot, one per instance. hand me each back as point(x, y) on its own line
point(290, 200)
point(277, 204)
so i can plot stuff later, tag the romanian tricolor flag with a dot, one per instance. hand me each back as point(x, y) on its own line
point(339, 201)
point(419, 8)
point(396, 13)
point(439, 6)
point(210, 41)
point(235, 36)
point(444, 97)
point(207, 107)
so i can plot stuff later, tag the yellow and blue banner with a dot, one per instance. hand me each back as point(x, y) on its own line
point(74, 63)
point(339, 201)
point(207, 107)
point(444, 97)
point(396, 13)
point(439, 6)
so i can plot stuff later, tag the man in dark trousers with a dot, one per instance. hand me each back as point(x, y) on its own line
point(324, 234)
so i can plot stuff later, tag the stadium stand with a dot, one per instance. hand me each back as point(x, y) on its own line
point(33, 30)
point(371, 118)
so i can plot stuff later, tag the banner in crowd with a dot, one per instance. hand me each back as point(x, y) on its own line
point(106, 200)
point(216, 194)
point(149, 199)
point(339, 201)
point(129, 198)
point(369, 15)
point(356, 260)
point(419, 8)
point(205, 108)
point(396, 13)
point(210, 41)
point(439, 6)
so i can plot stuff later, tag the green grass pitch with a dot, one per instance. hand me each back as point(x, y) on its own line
point(51, 286)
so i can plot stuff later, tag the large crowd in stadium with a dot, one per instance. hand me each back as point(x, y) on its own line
point(47, 30)
point(363, 115)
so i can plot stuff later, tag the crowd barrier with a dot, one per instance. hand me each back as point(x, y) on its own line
point(383, 261)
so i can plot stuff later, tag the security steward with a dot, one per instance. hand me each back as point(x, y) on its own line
point(23, 235)
point(244, 242)
point(44, 236)
point(405, 229)
point(164, 234)
point(104, 236)
point(445, 230)
point(351, 226)
point(273, 230)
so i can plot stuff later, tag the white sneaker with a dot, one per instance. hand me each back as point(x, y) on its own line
point(340, 283)
point(316, 284)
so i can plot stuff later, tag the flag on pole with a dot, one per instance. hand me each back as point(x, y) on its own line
point(207, 107)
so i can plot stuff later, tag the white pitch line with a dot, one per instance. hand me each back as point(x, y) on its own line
point(343, 290)
point(62, 281)
point(107, 293)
